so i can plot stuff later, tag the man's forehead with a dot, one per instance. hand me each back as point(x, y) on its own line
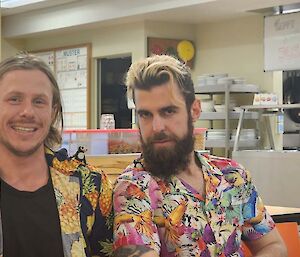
point(168, 90)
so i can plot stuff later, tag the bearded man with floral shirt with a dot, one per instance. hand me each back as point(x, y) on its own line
point(174, 201)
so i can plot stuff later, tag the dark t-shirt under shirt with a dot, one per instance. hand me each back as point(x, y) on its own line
point(30, 222)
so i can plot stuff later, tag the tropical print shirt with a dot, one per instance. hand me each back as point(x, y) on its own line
point(84, 201)
point(174, 220)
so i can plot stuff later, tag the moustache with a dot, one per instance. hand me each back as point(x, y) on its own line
point(160, 136)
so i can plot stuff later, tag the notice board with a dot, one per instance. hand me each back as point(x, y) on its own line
point(282, 42)
point(71, 65)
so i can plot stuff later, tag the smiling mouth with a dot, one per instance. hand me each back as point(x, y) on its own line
point(24, 129)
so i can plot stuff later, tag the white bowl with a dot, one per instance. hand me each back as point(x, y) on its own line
point(220, 108)
point(207, 105)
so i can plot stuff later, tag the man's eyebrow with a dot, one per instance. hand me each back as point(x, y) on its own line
point(16, 92)
point(141, 111)
point(41, 95)
point(173, 107)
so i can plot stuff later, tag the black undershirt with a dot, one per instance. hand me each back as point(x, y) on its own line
point(30, 222)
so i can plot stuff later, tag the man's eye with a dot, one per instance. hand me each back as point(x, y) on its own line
point(14, 99)
point(144, 115)
point(39, 101)
point(169, 111)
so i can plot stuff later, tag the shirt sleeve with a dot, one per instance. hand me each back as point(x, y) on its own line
point(134, 200)
point(257, 221)
point(96, 214)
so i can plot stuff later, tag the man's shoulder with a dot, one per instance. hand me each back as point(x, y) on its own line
point(70, 166)
point(224, 165)
point(222, 162)
point(94, 182)
point(135, 172)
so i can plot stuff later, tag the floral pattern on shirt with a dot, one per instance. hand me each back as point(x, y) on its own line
point(84, 201)
point(174, 220)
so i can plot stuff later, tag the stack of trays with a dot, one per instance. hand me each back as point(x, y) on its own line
point(245, 134)
point(214, 134)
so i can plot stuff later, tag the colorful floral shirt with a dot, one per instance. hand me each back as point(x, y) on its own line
point(175, 220)
point(84, 201)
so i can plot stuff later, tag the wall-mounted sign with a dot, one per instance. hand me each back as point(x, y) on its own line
point(181, 49)
point(71, 67)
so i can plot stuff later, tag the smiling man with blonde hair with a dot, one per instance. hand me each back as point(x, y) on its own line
point(51, 205)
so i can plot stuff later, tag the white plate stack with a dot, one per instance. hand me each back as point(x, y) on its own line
point(220, 107)
point(215, 134)
point(245, 134)
point(207, 105)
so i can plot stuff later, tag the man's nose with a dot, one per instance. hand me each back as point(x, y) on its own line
point(27, 109)
point(158, 124)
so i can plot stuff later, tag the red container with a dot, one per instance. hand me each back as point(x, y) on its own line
point(114, 141)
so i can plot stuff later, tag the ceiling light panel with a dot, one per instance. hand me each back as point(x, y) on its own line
point(17, 3)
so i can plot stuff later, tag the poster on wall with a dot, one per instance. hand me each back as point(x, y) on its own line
point(71, 72)
point(181, 49)
point(282, 42)
point(70, 66)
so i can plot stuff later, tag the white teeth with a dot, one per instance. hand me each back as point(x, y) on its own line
point(24, 129)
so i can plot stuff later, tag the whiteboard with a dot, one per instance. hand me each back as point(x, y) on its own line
point(70, 66)
point(282, 42)
point(72, 74)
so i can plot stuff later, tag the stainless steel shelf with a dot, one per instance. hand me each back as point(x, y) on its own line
point(215, 143)
point(232, 88)
point(232, 115)
point(265, 111)
point(227, 115)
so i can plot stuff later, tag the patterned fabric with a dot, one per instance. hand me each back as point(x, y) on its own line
point(174, 220)
point(84, 201)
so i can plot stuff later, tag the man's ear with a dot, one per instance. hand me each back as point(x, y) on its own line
point(196, 110)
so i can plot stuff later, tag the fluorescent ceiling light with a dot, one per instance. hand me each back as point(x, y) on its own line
point(291, 11)
point(17, 3)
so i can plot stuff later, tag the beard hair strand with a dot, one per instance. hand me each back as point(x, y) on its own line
point(165, 162)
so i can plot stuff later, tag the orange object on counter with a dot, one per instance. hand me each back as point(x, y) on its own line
point(290, 235)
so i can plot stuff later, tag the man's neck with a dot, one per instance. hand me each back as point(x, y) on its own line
point(24, 173)
point(193, 175)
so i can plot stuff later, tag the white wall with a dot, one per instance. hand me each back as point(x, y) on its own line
point(11, 47)
point(126, 39)
point(235, 47)
point(170, 30)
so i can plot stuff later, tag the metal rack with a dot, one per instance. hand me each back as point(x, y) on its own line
point(226, 90)
point(264, 111)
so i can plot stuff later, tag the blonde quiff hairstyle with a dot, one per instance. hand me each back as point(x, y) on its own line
point(157, 70)
point(25, 61)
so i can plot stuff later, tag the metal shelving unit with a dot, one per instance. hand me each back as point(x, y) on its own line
point(233, 115)
point(263, 111)
point(227, 90)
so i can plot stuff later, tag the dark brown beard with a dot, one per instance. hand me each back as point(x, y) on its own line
point(166, 162)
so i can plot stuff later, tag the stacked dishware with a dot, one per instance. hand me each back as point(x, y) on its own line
point(215, 134)
point(245, 134)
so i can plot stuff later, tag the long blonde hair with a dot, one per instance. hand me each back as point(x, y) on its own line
point(31, 62)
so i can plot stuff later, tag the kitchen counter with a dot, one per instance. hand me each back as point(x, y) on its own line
point(284, 214)
point(276, 175)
